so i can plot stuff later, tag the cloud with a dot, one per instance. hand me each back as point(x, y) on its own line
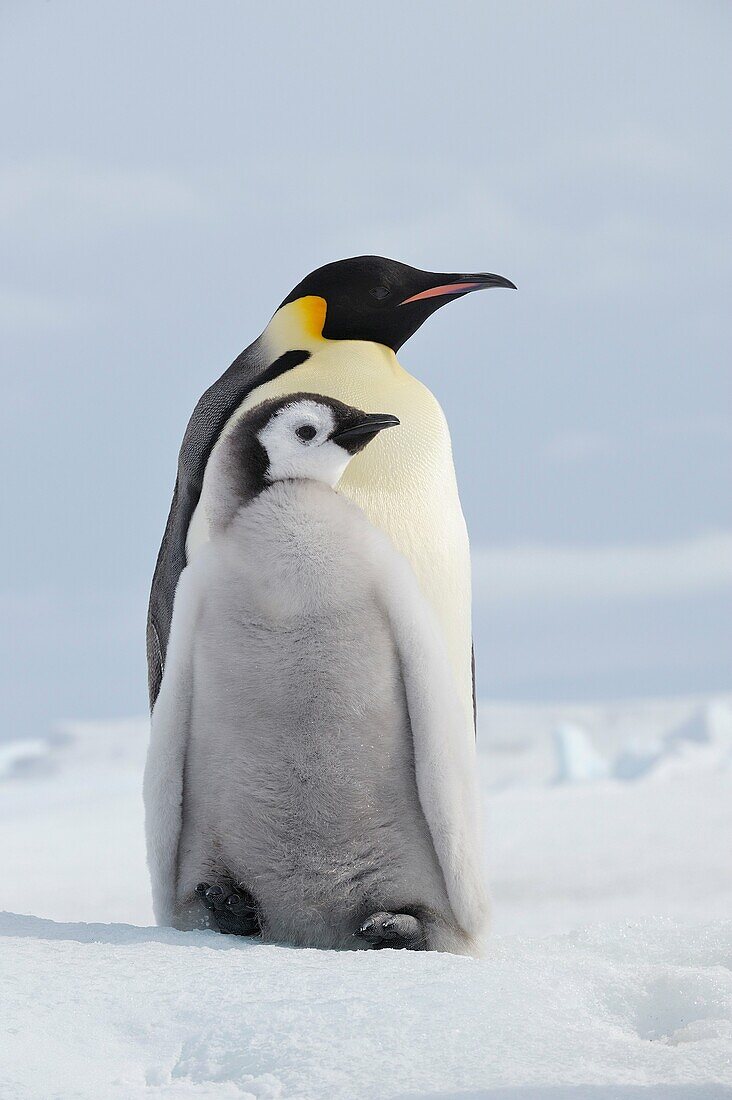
point(533, 574)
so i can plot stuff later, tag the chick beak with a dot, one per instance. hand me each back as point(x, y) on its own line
point(356, 436)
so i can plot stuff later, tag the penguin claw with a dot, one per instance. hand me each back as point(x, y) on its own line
point(395, 930)
point(234, 912)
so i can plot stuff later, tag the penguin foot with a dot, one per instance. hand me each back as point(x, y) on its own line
point(396, 930)
point(234, 910)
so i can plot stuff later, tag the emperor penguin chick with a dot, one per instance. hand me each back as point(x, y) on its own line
point(311, 772)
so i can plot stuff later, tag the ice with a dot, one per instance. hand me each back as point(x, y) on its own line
point(608, 977)
point(577, 760)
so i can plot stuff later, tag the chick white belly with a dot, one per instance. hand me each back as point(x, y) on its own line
point(404, 480)
point(299, 778)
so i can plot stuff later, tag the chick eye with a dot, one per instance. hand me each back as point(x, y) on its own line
point(380, 292)
point(306, 432)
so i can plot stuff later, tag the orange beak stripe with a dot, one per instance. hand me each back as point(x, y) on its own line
point(448, 288)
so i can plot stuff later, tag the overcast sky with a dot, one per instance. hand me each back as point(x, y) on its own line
point(170, 169)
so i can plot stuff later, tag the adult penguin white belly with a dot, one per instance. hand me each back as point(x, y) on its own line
point(404, 481)
point(337, 333)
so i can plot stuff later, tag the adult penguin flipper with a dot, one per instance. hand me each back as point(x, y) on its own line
point(159, 608)
point(444, 744)
point(171, 562)
point(169, 729)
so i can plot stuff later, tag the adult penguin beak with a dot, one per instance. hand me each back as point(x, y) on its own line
point(454, 286)
point(356, 436)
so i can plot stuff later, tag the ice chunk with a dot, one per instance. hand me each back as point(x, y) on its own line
point(23, 758)
point(578, 761)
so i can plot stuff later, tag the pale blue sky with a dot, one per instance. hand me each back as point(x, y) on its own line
point(170, 169)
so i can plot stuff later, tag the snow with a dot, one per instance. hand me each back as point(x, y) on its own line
point(609, 837)
point(131, 1010)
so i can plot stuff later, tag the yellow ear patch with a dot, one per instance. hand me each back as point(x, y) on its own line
point(311, 311)
point(298, 325)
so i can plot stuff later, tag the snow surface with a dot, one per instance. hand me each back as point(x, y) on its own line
point(609, 851)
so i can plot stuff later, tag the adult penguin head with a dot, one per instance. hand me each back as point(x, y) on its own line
point(377, 299)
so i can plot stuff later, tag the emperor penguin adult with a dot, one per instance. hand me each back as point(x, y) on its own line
point(337, 334)
point(309, 778)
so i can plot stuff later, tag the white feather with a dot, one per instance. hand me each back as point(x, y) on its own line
point(444, 742)
point(164, 768)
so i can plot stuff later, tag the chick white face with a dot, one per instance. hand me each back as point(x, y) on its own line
point(298, 443)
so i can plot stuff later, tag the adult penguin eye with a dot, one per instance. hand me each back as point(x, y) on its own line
point(306, 432)
point(380, 292)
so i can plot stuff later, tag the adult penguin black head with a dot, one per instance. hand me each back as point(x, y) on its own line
point(382, 300)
